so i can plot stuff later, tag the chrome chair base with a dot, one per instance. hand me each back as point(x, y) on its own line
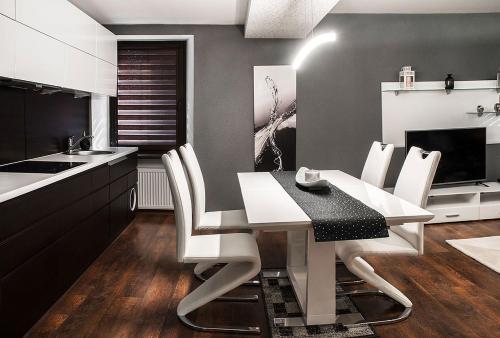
point(221, 329)
point(281, 273)
point(275, 273)
point(349, 282)
point(402, 316)
point(252, 298)
point(202, 278)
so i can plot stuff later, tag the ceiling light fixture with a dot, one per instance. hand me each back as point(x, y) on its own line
point(311, 45)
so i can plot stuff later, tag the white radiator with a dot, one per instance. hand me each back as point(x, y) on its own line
point(154, 191)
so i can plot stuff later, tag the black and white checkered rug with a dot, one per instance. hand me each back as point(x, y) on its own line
point(281, 302)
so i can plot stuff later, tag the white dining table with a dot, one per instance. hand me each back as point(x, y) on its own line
point(310, 264)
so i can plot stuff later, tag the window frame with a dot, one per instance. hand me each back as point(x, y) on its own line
point(181, 113)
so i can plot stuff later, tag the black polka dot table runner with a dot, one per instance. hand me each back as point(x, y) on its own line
point(335, 215)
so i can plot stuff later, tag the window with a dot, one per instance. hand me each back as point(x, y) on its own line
point(150, 111)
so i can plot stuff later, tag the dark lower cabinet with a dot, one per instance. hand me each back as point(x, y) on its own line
point(44, 257)
point(79, 248)
point(122, 211)
point(27, 292)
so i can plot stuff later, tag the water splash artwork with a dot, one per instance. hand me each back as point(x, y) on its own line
point(275, 111)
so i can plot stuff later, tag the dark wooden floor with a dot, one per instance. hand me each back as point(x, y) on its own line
point(133, 288)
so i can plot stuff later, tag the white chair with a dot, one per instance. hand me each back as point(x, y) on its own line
point(413, 185)
point(238, 251)
point(377, 163)
point(214, 220)
point(374, 172)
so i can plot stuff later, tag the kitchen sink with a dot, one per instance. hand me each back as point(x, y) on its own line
point(89, 152)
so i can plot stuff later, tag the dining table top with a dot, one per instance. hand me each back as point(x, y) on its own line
point(268, 206)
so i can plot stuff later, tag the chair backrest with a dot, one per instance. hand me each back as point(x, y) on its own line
point(416, 176)
point(413, 185)
point(182, 200)
point(196, 179)
point(377, 164)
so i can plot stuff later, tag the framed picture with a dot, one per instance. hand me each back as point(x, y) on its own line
point(275, 112)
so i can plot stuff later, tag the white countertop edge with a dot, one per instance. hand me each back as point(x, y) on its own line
point(96, 161)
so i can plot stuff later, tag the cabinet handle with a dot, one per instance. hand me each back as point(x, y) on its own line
point(132, 199)
point(452, 215)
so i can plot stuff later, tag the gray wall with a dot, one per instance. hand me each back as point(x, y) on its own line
point(338, 87)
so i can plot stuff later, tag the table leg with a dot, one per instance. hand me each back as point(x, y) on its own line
point(311, 270)
point(296, 248)
point(296, 269)
point(321, 297)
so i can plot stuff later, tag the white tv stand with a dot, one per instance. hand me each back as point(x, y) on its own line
point(464, 203)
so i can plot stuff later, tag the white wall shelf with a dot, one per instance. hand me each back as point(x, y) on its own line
point(479, 114)
point(464, 203)
point(395, 87)
point(429, 107)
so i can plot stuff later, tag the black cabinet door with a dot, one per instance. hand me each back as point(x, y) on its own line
point(27, 292)
point(117, 215)
point(122, 212)
point(79, 248)
point(122, 167)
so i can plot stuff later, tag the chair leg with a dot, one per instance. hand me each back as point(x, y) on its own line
point(402, 316)
point(201, 268)
point(361, 268)
point(349, 282)
point(226, 279)
point(238, 299)
point(221, 329)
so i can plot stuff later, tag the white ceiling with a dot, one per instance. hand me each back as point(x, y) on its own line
point(189, 12)
point(230, 12)
point(417, 6)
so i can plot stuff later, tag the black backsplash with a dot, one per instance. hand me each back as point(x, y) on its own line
point(34, 124)
point(12, 135)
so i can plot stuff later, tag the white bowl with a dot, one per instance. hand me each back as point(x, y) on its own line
point(300, 179)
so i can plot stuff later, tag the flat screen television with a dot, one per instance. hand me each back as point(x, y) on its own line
point(463, 152)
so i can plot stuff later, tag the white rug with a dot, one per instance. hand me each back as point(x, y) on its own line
point(485, 250)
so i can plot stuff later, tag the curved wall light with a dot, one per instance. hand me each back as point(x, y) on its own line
point(311, 45)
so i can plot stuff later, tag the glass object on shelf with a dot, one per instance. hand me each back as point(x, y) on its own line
point(407, 78)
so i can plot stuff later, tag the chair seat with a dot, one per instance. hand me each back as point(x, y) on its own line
point(224, 220)
point(222, 248)
point(392, 245)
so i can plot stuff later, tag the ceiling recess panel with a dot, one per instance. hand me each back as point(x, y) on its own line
point(286, 19)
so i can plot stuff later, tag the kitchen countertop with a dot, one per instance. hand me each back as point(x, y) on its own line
point(16, 184)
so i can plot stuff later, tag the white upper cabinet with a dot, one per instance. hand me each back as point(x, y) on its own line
point(39, 58)
point(80, 70)
point(8, 8)
point(52, 42)
point(106, 78)
point(106, 44)
point(8, 43)
point(61, 20)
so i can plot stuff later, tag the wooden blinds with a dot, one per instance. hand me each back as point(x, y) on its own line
point(150, 110)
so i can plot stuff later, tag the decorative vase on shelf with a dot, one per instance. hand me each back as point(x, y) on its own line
point(497, 107)
point(449, 82)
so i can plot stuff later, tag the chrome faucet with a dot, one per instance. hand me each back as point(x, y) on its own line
point(72, 144)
